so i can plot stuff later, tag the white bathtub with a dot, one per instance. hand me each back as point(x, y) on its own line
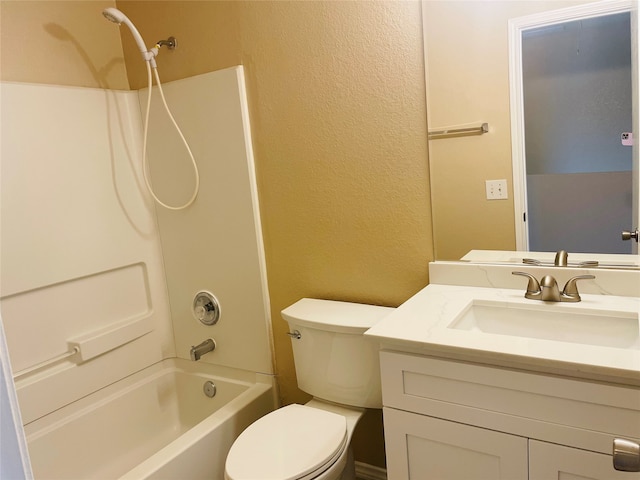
point(157, 423)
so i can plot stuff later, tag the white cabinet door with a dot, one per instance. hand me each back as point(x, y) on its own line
point(422, 448)
point(549, 461)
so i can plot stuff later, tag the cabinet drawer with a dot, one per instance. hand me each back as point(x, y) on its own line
point(512, 401)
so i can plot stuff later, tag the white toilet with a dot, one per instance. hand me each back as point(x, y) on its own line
point(338, 366)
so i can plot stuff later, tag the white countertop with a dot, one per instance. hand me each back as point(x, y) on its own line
point(422, 325)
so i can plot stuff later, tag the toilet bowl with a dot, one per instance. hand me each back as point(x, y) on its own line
point(338, 366)
point(296, 442)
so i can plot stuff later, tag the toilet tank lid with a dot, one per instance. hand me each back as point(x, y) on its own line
point(335, 316)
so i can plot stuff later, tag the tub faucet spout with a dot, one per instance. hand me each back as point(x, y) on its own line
point(205, 347)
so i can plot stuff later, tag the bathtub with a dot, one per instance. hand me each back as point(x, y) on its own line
point(157, 423)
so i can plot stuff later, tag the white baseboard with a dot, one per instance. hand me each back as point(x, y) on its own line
point(364, 471)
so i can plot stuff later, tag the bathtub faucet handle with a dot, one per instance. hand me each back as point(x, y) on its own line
point(207, 346)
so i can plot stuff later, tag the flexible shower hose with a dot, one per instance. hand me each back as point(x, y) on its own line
point(144, 145)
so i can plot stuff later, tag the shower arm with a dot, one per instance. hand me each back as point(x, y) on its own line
point(150, 55)
point(171, 43)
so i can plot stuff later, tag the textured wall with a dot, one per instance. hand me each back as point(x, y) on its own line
point(60, 43)
point(337, 104)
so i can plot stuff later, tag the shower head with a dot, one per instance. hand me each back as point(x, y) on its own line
point(116, 16)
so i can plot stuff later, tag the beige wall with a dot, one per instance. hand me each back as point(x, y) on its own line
point(60, 43)
point(467, 51)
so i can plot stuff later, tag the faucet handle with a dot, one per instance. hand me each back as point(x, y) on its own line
point(533, 287)
point(571, 287)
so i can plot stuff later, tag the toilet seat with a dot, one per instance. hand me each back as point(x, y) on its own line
point(295, 442)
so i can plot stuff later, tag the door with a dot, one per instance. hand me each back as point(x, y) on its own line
point(574, 91)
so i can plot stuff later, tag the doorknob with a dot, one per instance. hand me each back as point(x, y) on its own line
point(626, 235)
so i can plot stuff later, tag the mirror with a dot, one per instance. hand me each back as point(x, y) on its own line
point(468, 61)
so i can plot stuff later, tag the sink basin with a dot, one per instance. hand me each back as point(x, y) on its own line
point(551, 322)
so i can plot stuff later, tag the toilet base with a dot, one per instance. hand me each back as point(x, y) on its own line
point(343, 469)
point(349, 472)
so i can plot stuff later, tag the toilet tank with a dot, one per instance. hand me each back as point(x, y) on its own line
point(334, 360)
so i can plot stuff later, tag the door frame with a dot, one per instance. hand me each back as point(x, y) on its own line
point(516, 28)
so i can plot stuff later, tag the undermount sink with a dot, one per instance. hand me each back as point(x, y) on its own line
point(551, 322)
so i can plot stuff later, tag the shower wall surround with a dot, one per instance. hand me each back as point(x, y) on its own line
point(80, 249)
point(82, 261)
point(216, 244)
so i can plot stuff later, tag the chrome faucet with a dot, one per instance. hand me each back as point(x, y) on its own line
point(205, 347)
point(547, 288)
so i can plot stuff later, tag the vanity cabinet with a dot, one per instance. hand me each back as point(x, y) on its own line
point(449, 420)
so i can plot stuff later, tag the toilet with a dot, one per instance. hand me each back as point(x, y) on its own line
point(339, 367)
